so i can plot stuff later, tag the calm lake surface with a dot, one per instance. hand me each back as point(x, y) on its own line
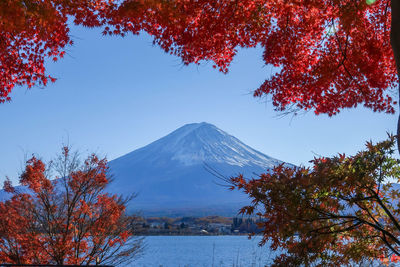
point(182, 251)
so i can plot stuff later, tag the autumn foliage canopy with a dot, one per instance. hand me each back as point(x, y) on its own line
point(328, 55)
point(66, 220)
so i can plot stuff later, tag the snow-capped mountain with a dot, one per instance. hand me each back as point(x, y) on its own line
point(196, 143)
point(170, 175)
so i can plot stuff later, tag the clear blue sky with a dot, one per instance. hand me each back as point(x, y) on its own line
point(116, 94)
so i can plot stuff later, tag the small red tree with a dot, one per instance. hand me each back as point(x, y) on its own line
point(67, 220)
point(341, 211)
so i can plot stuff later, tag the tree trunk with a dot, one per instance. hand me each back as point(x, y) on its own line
point(395, 42)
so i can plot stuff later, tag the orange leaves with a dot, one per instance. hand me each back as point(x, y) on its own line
point(34, 176)
point(65, 220)
point(339, 212)
point(15, 231)
point(7, 186)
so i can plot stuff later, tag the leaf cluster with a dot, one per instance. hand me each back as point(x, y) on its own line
point(67, 219)
point(340, 211)
point(329, 54)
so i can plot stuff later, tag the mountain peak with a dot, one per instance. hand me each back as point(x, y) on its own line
point(170, 174)
point(194, 127)
point(199, 143)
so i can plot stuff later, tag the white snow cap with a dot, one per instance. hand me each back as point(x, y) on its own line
point(197, 143)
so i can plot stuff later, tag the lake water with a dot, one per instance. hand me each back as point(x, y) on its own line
point(209, 251)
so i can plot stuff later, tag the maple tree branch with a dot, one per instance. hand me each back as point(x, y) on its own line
point(395, 32)
point(375, 226)
point(395, 251)
point(369, 214)
point(342, 230)
point(392, 218)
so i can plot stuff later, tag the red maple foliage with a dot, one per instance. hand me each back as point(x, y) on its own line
point(67, 220)
point(328, 55)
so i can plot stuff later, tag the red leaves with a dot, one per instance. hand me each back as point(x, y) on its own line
point(67, 220)
point(329, 55)
point(17, 240)
point(330, 71)
point(94, 177)
point(29, 33)
point(7, 186)
point(34, 176)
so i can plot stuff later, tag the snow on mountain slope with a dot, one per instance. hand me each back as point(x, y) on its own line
point(170, 173)
point(197, 143)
